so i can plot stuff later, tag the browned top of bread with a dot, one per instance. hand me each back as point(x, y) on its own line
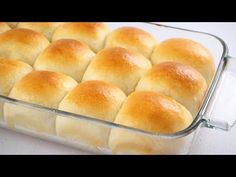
point(181, 78)
point(94, 98)
point(132, 38)
point(153, 112)
point(188, 52)
point(64, 52)
point(43, 87)
point(67, 56)
point(10, 71)
point(119, 60)
point(22, 44)
point(8, 64)
point(90, 33)
point(118, 66)
point(185, 48)
point(25, 36)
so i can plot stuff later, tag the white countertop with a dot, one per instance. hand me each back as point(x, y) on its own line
point(208, 141)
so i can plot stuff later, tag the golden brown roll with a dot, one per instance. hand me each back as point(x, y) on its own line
point(95, 99)
point(42, 88)
point(22, 44)
point(151, 112)
point(4, 27)
point(12, 24)
point(46, 28)
point(187, 52)
point(118, 66)
point(10, 72)
point(67, 56)
point(92, 34)
point(133, 39)
point(181, 82)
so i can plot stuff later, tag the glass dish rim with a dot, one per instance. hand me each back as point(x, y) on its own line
point(198, 120)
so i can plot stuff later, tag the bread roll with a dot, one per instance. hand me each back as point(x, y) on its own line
point(181, 82)
point(151, 112)
point(67, 56)
point(92, 34)
point(133, 39)
point(118, 66)
point(10, 72)
point(95, 99)
point(12, 24)
point(46, 28)
point(4, 27)
point(187, 52)
point(42, 88)
point(22, 44)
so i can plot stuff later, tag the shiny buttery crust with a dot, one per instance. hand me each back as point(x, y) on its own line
point(118, 66)
point(181, 82)
point(11, 71)
point(92, 34)
point(151, 112)
point(22, 44)
point(95, 99)
point(67, 56)
point(38, 87)
point(188, 52)
point(133, 39)
point(43, 87)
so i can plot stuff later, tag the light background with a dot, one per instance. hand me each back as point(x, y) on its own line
point(208, 141)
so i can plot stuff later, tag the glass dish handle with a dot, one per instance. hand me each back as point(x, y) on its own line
point(221, 112)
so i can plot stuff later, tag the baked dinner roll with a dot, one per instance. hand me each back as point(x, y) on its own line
point(10, 72)
point(12, 24)
point(133, 39)
point(46, 28)
point(118, 66)
point(92, 34)
point(22, 44)
point(42, 88)
point(4, 27)
point(187, 52)
point(151, 112)
point(67, 56)
point(178, 81)
point(95, 99)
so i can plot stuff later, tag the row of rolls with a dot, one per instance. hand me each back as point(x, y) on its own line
point(123, 76)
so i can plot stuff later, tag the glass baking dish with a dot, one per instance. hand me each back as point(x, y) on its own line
point(211, 114)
